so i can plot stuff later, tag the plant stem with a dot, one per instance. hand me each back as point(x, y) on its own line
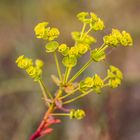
point(43, 123)
point(60, 114)
point(45, 91)
point(82, 32)
point(78, 97)
point(58, 93)
point(80, 71)
point(83, 29)
point(65, 96)
point(106, 78)
point(86, 33)
point(67, 73)
point(57, 65)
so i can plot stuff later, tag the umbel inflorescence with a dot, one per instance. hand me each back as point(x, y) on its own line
point(67, 85)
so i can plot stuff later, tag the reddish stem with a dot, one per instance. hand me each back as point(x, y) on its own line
point(42, 125)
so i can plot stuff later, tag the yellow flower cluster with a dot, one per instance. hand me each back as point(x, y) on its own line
point(27, 64)
point(95, 82)
point(71, 54)
point(44, 32)
point(115, 76)
point(77, 114)
point(116, 38)
point(92, 19)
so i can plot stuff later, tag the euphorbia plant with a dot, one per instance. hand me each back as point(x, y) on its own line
point(67, 85)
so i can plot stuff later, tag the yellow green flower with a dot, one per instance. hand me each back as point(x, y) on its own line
point(89, 82)
point(126, 39)
point(23, 62)
point(111, 40)
point(69, 61)
point(94, 17)
point(86, 40)
point(63, 49)
point(73, 51)
point(82, 48)
point(77, 114)
point(114, 83)
point(97, 83)
point(116, 38)
point(98, 55)
point(117, 34)
point(115, 76)
point(52, 34)
point(83, 17)
point(39, 63)
point(34, 72)
point(51, 46)
point(114, 72)
point(41, 31)
point(98, 25)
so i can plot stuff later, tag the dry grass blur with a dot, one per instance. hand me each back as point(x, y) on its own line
point(113, 115)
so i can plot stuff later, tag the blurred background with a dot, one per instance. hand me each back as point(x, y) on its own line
point(112, 115)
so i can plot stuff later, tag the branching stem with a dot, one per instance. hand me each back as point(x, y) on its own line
point(80, 71)
point(58, 66)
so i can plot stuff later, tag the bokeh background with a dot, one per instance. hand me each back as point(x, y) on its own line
point(112, 115)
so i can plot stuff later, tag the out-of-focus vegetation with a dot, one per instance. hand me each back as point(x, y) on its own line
point(112, 115)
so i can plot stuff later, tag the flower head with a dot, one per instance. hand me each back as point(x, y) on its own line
point(52, 34)
point(51, 46)
point(63, 49)
point(69, 61)
point(98, 25)
point(82, 48)
point(126, 39)
point(41, 30)
point(77, 114)
point(115, 76)
point(98, 55)
point(97, 83)
point(39, 63)
point(83, 17)
point(23, 62)
point(116, 38)
point(34, 72)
